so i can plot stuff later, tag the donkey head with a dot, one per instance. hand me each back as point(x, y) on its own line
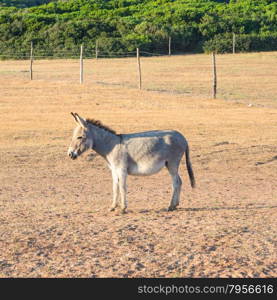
point(82, 138)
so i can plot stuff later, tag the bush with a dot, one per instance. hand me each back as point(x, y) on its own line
point(223, 43)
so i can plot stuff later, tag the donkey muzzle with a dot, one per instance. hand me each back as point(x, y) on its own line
point(72, 155)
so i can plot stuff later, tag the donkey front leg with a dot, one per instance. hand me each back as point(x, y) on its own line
point(123, 190)
point(115, 191)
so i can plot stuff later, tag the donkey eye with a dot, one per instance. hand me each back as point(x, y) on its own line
point(79, 137)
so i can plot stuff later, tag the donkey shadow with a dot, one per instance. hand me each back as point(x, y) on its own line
point(195, 209)
point(225, 208)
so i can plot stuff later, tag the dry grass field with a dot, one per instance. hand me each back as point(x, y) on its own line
point(54, 218)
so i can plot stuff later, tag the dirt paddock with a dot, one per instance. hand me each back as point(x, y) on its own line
point(54, 218)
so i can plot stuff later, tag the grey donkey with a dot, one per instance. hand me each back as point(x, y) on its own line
point(143, 153)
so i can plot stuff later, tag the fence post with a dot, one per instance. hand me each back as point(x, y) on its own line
point(81, 65)
point(31, 61)
point(214, 75)
point(234, 43)
point(169, 45)
point(139, 69)
point(96, 49)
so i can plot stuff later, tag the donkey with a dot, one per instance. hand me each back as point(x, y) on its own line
point(143, 153)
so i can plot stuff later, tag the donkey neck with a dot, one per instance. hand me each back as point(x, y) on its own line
point(103, 140)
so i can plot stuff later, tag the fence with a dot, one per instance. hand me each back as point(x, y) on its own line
point(98, 48)
point(138, 53)
point(248, 77)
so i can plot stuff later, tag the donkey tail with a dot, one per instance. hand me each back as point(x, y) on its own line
point(189, 168)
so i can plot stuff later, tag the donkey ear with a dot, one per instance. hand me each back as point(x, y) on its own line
point(82, 122)
point(73, 114)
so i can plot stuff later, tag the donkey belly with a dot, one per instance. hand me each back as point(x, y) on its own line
point(145, 168)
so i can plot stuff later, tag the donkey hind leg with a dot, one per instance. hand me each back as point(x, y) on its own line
point(176, 186)
point(115, 191)
point(123, 191)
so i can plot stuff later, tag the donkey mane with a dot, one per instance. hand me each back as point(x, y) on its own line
point(99, 124)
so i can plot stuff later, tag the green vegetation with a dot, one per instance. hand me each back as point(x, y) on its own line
point(122, 25)
point(23, 3)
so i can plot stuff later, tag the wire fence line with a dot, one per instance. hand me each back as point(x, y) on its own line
point(68, 55)
point(234, 76)
point(114, 55)
point(75, 53)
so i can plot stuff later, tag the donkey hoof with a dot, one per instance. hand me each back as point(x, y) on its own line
point(112, 208)
point(123, 211)
point(171, 208)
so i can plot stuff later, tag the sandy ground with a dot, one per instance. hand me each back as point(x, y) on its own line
point(54, 218)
